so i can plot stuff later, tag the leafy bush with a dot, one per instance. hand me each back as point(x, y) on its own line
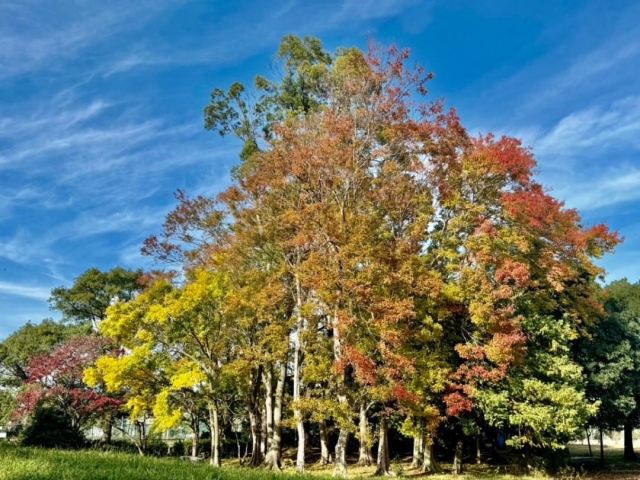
point(49, 428)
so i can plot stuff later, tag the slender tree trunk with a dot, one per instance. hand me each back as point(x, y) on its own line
point(274, 454)
point(478, 449)
point(268, 409)
point(429, 463)
point(417, 458)
point(457, 459)
point(384, 461)
point(141, 428)
point(364, 456)
point(194, 445)
point(195, 428)
point(629, 454)
point(215, 435)
point(297, 380)
point(256, 437)
point(601, 447)
point(255, 419)
point(263, 433)
point(586, 430)
point(240, 461)
point(340, 469)
point(107, 429)
point(324, 443)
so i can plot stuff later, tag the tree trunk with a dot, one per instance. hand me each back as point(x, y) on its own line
point(601, 447)
point(340, 469)
point(274, 454)
point(256, 437)
point(418, 447)
point(586, 430)
point(629, 454)
point(384, 461)
point(263, 433)
point(417, 458)
point(195, 428)
point(268, 409)
point(107, 429)
point(255, 419)
point(457, 459)
point(215, 435)
point(429, 463)
point(478, 449)
point(297, 381)
point(141, 429)
point(364, 456)
point(324, 443)
point(194, 445)
point(277, 412)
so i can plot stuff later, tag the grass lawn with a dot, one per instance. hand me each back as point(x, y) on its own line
point(18, 463)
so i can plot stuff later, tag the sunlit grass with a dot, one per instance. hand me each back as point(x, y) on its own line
point(17, 463)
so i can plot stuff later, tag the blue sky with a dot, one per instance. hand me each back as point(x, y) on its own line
point(101, 111)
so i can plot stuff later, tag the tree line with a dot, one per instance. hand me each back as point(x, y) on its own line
point(373, 270)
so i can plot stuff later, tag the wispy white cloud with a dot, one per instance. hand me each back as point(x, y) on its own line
point(590, 156)
point(598, 128)
point(42, 35)
point(250, 32)
point(16, 290)
point(608, 188)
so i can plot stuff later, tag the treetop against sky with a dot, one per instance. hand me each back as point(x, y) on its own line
point(101, 112)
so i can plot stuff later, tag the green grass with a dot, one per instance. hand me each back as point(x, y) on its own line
point(18, 463)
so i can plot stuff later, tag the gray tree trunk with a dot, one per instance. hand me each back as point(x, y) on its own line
point(429, 463)
point(274, 453)
point(194, 445)
point(384, 461)
point(364, 452)
point(195, 428)
point(418, 457)
point(457, 459)
point(297, 380)
point(256, 437)
point(325, 457)
point(340, 469)
point(215, 435)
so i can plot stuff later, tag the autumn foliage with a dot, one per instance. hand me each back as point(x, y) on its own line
point(57, 379)
point(373, 259)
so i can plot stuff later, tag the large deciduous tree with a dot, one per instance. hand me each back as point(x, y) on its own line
point(87, 300)
point(370, 234)
point(610, 355)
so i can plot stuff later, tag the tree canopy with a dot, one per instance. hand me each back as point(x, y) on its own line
point(373, 268)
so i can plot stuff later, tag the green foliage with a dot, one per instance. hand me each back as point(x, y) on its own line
point(86, 302)
point(50, 428)
point(304, 65)
point(542, 400)
point(29, 341)
point(610, 355)
point(7, 405)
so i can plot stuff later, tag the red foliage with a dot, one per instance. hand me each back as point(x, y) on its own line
point(58, 378)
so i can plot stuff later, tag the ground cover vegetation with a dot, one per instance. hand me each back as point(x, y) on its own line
point(375, 281)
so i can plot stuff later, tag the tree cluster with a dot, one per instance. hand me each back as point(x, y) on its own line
point(373, 271)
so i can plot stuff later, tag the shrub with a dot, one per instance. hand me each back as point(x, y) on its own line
point(49, 428)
